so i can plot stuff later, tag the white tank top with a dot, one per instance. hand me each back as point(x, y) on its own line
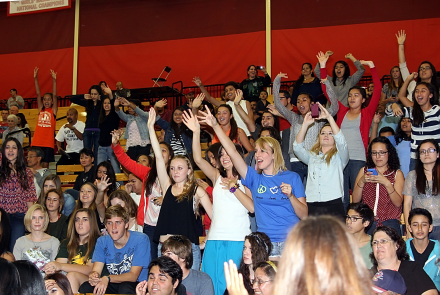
point(230, 219)
point(237, 117)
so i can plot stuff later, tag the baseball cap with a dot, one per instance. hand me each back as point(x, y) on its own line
point(388, 280)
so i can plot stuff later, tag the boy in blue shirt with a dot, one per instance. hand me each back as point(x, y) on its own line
point(421, 249)
point(125, 254)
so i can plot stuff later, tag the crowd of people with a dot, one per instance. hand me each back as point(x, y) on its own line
point(332, 189)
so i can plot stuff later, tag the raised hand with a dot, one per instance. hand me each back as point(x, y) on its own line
point(234, 280)
point(397, 111)
point(141, 288)
point(401, 37)
point(308, 119)
point(324, 112)
point(106, 89)
point(161, 103)
point(282, 75)
point(413, 76)
point(238, 96)
point(116, 135)
point(368, 63)
point(190, 121)
point(117, 102)
point(197, 81)
point(53, 74)
point(322, 58)
point(151, 118)
point(377, 118)
point(207, 118)
point(349, 56)
point(202, 183)
point(103, 184)
point(273, 110)
point(198, 100)
point(87, 96)
point(264, 70)
point(123, 101)
point(128, 187)
point(36, 72)
point(286, 189)
point(328, 53)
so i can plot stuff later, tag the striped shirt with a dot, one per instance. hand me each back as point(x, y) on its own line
point(429, 129)
point(177, 146)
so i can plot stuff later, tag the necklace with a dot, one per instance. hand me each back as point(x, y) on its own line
point(33, 242)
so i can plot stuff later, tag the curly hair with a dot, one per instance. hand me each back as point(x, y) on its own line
point(396, 238)
point(393, 158)
point(261, 247)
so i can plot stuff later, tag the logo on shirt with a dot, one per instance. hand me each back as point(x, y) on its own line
point(274, 190)
point(261, 189)
point(44, 119)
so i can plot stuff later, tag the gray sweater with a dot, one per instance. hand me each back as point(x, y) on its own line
point(341, 90)
point(296, 120)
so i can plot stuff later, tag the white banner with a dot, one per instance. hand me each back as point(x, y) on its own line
point(34, 6)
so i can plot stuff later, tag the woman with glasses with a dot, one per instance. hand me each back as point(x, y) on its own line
point(379, 184)
point(265, 272)
point(389, 252)
point(422, 185)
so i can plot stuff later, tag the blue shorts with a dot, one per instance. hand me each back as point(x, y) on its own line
point(277, 249)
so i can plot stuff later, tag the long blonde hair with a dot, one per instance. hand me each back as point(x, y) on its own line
point(316, 148)
point(274, 145)
point(188, 188)
point(321, 258)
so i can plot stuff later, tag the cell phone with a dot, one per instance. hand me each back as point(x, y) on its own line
point(260, 67)
point(315, 110)
point(372, 170)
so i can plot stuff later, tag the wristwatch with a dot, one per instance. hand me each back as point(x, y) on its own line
point(109, 280)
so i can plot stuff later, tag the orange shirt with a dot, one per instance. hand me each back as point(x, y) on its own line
point(44, 135)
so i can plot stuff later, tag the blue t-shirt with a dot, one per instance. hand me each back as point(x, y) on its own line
point(118, 261)
point(273, 210)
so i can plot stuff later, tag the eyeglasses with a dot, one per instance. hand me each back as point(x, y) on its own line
point(425, 68)
point(428, 151)
point(380, 154)
point(259, 282)
point(380, 242)
point(352, 218)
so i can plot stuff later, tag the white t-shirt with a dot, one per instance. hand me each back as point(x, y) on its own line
point(240, 123)
point(74, 144)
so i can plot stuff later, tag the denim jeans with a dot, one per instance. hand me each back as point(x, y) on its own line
point(350, 173)
point(302, 170)
point(412, 164)
point(197, 255)
point(69, 204)
point(106, 153)
point(91, 141)
point(394, 223)
point(73, 193)
point(17, 228)
point(149, 231)
point(277, 249)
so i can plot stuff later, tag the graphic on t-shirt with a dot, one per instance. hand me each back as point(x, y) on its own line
point(261, 189)
point(38, 256)
point(44, 119)
point(120, 263)
point(78, 259)
point(274, 190)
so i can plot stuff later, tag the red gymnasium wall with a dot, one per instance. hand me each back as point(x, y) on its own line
point(133, 40)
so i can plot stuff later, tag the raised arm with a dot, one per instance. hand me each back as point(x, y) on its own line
point(288, 115)
point(375, 126)
point(401, 37)
point(37, 90)
point(164, 179)
point(102, 186)
point(360, 69)
point(372, 106)
point(402, 92)
point(54, 92)
point(107, 91)
point(191, 121)
point(208, 96)
point(331, 96)
point(308, 120)
point(247, 118)
point(227, 144)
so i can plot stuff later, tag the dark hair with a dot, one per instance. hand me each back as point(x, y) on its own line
point(110, 175)
point(248, 68)
point(286, 93)
point(419, 211)
point(167, 266)
point(181, 246)
point(102, 115)
point(393, 158)
point(214, 149)
point(264, 91)
point(38, 151)
point(276, 120)
point(9, 278)
point(268, 268)
point(86, 152)
point(274, 133)
point(5, 232)
point(20, 165)
point(61, 281)
point(421, 181)
point(306, 94)
point(31, 281)
point(417, 112)
point(222, 171)
point(23, 120)
point(152, 175)
point(387, 129)
point(178, 130)
point(395, 237)
point(362, 92)
point(233, 84)
point(90, 103)
point(346, 73)
point(434, 80)
point(233, 134)
point(13, 89)
point(300, 80)
point(102, 82)
point(136, 102)
point(400, 135)
point(261, 247)
point(364, 211)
